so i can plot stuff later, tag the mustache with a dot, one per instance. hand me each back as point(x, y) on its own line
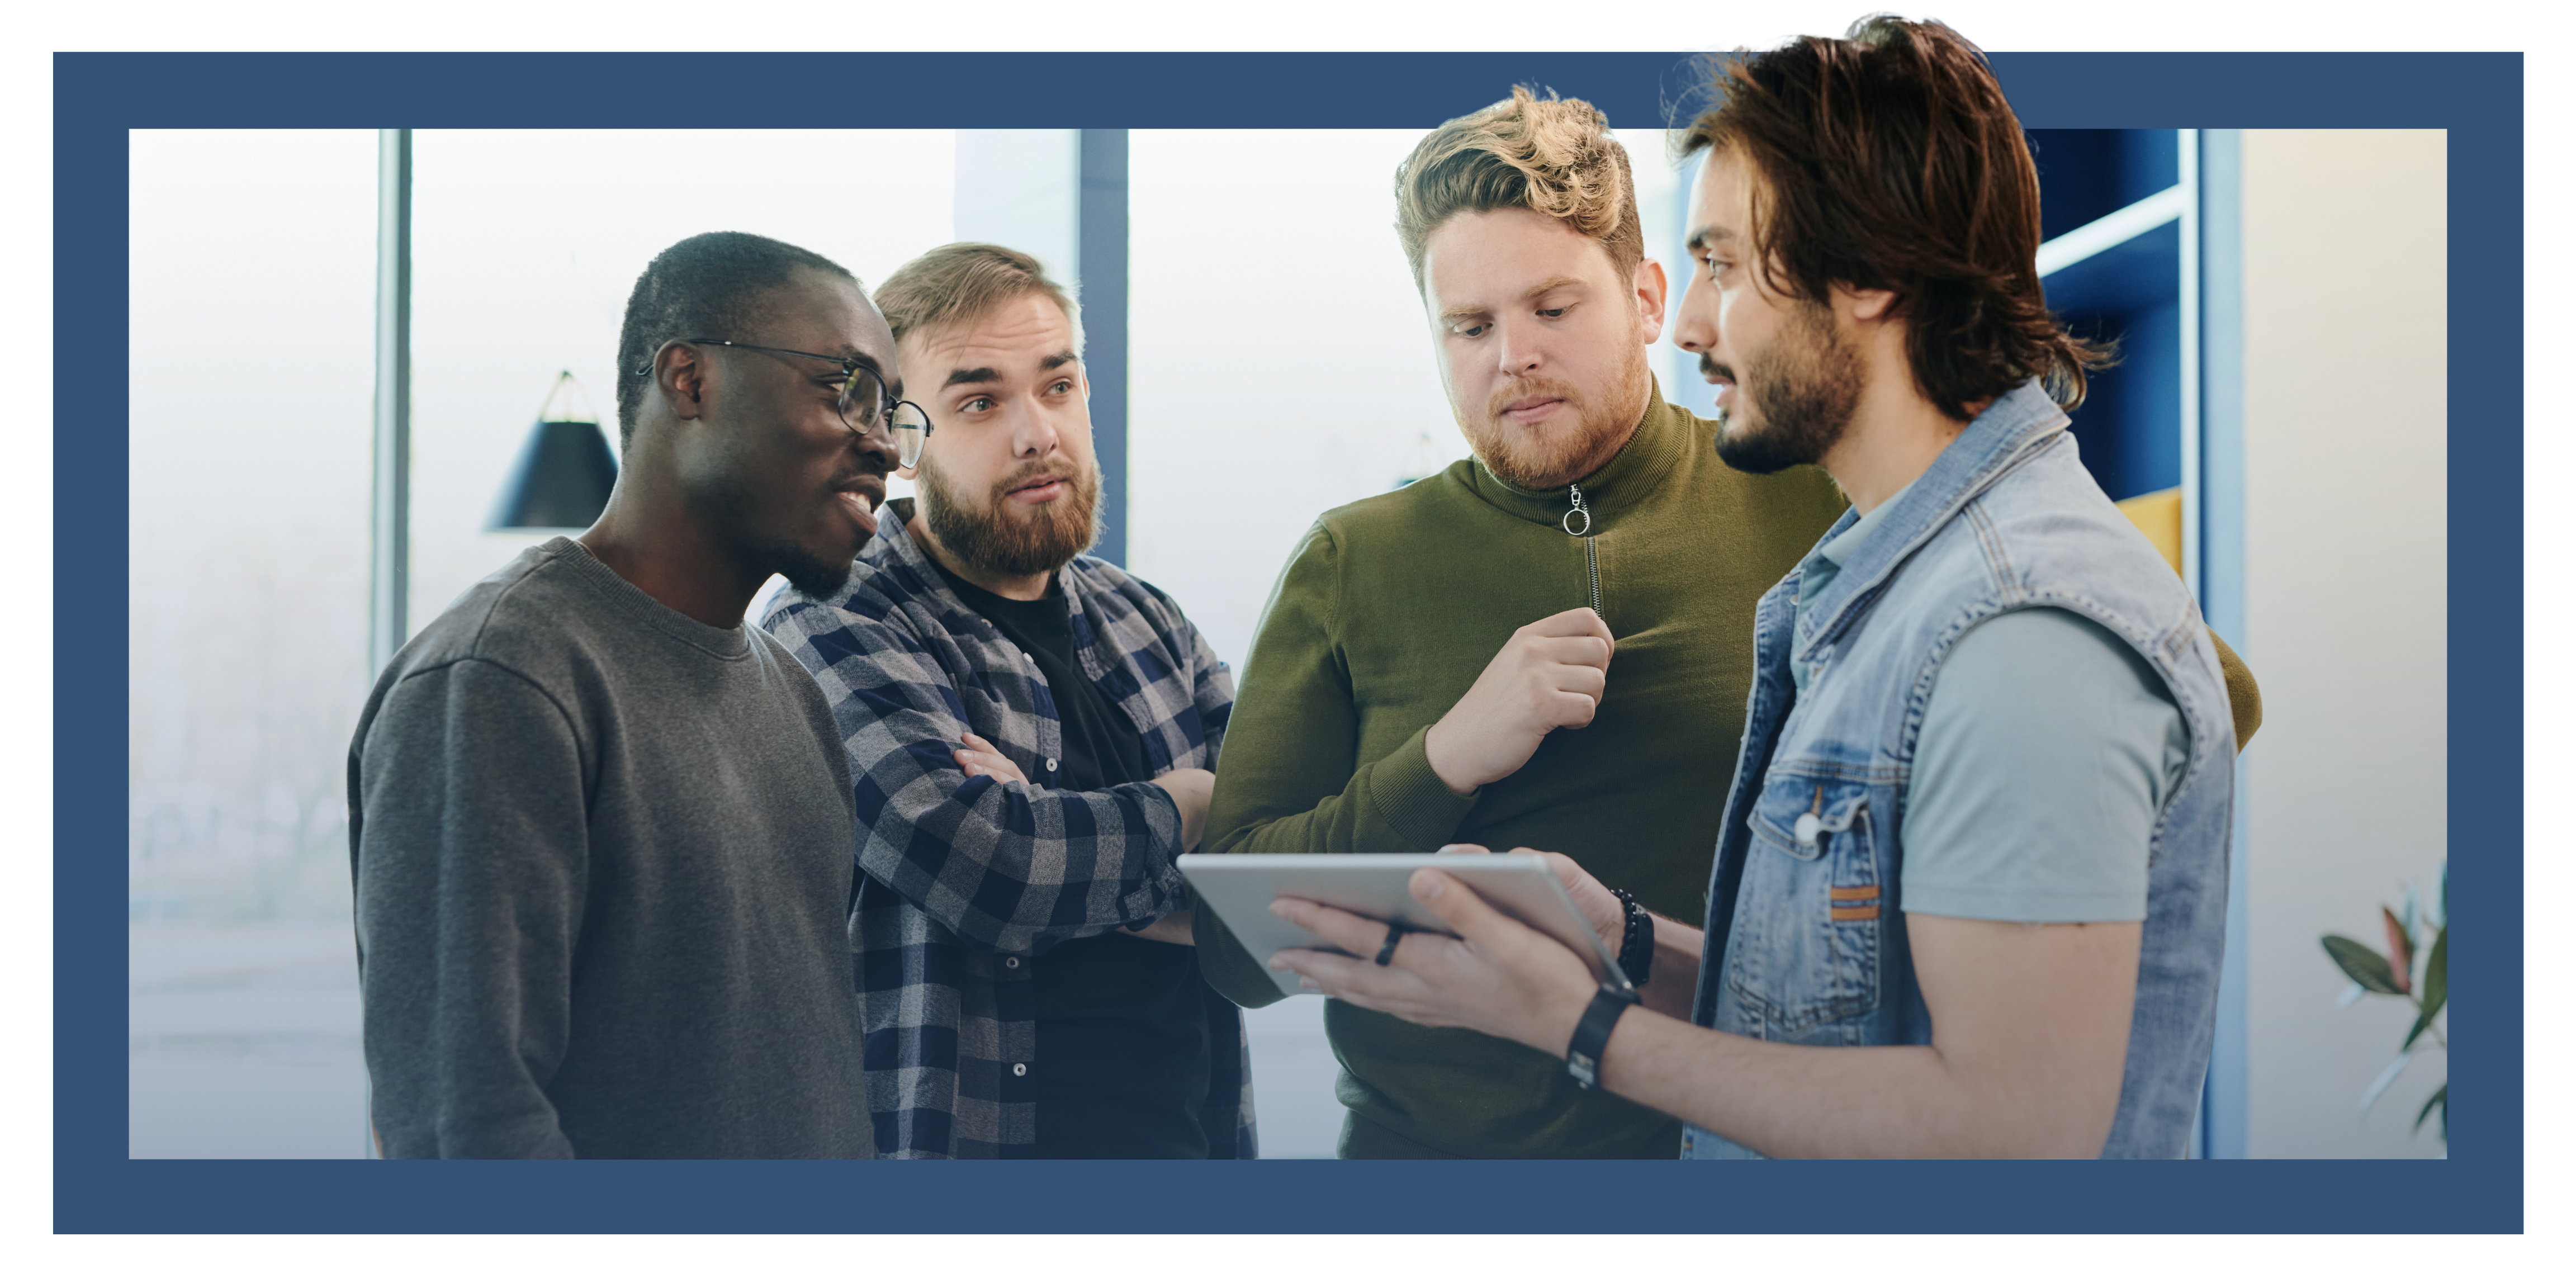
point(1061, 467)
point(1716, 370)
point(1533, 389)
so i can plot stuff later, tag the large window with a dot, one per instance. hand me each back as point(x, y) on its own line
point(253, 298)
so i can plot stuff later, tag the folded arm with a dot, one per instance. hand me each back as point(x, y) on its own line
point(1004, 865)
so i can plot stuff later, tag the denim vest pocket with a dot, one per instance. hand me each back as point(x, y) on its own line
point(1806, 942)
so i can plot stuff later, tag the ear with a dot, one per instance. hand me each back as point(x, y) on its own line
point(1865, 306)
point(682, 372)
point(1651, 287)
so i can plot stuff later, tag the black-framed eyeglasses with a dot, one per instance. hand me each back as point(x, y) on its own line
point(865, 401)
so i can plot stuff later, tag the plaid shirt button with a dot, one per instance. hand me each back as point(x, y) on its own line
point(1011, 962)
point(1050, 764)
point(1019, 1071)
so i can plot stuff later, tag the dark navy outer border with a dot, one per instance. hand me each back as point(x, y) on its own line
point(2478, 98)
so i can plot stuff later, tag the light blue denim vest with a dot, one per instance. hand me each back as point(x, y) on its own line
point(1806, 942)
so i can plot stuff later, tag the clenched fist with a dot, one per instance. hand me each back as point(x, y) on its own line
point(1549, 675)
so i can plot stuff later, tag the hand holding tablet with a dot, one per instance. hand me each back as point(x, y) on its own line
point(1241, 888)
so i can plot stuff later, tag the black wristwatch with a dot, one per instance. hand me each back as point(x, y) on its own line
point(1583, 1054)
point(1636, 939)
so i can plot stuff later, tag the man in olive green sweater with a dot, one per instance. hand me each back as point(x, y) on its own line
point(1437, 663)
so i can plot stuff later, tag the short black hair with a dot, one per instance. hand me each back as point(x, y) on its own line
point(706, 287)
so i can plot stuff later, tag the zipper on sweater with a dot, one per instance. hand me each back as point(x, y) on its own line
point(1591, 555)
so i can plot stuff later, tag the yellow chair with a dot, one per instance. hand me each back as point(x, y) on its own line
point(2159, 515)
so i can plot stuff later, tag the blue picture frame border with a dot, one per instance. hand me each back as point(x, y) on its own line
point(2477, 98)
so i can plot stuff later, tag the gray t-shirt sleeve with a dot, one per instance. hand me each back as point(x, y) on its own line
point(472, 876)
point(2047, 750)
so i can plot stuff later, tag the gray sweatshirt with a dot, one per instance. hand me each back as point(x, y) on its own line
point(603, 861)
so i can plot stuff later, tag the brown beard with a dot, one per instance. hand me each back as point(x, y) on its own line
point(1519, 457)
point(985, 538)
point(1797, 396)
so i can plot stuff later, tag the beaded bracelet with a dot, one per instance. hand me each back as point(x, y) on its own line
point(1636, 939)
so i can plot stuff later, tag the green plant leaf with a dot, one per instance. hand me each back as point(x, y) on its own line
point(2441, 1098)
point(2437, 987)
point(2366, 968)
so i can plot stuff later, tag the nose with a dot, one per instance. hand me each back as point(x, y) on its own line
point(1518, 348)
point(876, 446)
point(1035, 434)
point(1695, 323)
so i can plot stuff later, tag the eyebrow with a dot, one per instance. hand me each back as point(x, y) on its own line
point(987, 375)
point(1556, 283)
point(1701, 238)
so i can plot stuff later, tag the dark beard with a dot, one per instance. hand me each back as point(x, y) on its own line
point(1802, 389)
point(812, 576)
point(819, 576)
point(980, 538)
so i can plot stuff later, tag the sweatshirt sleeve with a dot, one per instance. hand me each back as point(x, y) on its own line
point(1292, 781)
point(472, 870)
point(1006, 867)
point(2244, 700)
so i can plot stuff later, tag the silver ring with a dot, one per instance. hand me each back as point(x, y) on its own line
point(1386, 951)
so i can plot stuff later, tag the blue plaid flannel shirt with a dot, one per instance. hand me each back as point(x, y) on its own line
point(964, 883)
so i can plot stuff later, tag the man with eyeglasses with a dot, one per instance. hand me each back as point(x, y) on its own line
point(1032, 732)
point(599, 824)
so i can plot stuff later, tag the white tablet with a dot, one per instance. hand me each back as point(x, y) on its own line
point(1239, 888)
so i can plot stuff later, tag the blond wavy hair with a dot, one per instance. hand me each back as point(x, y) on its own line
point(1552, 155)
point(962, 283)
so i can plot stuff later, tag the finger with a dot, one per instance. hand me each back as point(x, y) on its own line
point(1573, 621)
point(977, 742)
point(1473, 919)
point(1347, 931)
point(1570, 710)
point(1586, 680)
point(1573, 650)
point(1464, 847)
point(1347, 978)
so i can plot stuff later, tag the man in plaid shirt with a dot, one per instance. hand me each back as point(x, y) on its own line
point(1032, 733)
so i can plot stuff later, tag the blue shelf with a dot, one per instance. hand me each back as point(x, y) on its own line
point(2113, 200)
point(2130, 426)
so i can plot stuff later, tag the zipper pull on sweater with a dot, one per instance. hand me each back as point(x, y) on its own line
point(1574, 494)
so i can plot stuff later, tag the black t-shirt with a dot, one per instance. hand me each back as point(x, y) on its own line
point(1123, 1050)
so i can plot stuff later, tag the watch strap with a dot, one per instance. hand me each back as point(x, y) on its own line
point(1583, 1054)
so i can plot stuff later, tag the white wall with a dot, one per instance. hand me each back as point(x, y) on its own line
point(1021, 189)
point(1281, 364)
point(2344, 412)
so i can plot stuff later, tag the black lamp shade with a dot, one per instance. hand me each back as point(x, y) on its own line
point(561, 481)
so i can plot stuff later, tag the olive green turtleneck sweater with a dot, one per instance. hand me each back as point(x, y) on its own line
point(1389, 610)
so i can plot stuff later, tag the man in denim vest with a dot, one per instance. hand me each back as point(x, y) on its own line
point(1971, 879)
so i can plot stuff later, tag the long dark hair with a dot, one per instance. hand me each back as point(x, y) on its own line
point(1889, 160)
